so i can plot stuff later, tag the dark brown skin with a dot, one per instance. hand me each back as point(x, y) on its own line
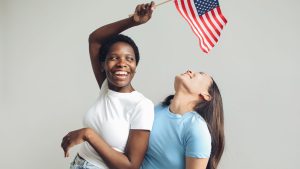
point(138, 139)
point(120, 57)
point(142, 14)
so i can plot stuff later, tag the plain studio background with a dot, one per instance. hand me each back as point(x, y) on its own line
point(47, 83)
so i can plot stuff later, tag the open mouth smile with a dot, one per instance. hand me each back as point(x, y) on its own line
point(120, 74)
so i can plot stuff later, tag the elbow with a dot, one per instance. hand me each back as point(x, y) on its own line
point(129, 166)
point(126, 165)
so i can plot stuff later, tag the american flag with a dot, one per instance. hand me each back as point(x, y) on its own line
point(205, 18)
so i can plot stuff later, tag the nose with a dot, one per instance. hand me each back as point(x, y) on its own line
point(122, 63)
point(189, 72)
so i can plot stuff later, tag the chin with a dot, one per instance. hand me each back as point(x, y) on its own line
point(122, 84)
point(179, 79)
point(119, 84)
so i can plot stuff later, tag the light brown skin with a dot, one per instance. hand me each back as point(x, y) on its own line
point(119, 58)
point(190, 89)
point(195, 163)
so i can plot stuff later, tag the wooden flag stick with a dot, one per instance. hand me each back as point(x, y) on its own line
point(162, 3)
point(156, 5)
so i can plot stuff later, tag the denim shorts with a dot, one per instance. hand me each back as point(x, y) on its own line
point(80, 163)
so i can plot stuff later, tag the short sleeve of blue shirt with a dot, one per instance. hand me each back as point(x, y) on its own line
point(197, 139)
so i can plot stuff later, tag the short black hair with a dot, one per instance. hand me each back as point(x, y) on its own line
point(106, 45)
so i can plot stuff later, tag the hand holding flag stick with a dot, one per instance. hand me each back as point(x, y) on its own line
point(204, 17)
point(156, 5)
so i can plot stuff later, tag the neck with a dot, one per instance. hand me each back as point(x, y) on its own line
point(126, 89)
point(182, 104)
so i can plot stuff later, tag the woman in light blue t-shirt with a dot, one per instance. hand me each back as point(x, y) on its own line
point(188, 128)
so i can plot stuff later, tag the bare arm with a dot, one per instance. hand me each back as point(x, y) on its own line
point(97, 37)
point(142, 14)
point(196, 163)
point(138, 139)
point(134, 153)
point(132, 158)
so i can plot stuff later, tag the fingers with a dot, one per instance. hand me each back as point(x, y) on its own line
point(145, 9)
point(141, 9)
point(67, 152)
point(66, 145)
point(152, 5)
point(151, 8)
point(66, 148)
point(138, 9)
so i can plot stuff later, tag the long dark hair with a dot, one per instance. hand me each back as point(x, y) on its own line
point(212, 113)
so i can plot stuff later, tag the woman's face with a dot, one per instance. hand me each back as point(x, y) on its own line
point(193, 83)
point(120, 66)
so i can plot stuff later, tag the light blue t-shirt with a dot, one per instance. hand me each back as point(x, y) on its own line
point(175, 137)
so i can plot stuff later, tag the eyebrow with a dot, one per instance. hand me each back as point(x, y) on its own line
point(202, 73)
point(117, 54)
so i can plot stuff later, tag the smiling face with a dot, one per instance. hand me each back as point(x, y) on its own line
point(120, 66)
point(194, 83)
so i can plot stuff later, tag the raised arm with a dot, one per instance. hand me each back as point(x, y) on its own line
point(142, 14)
point(137, 142)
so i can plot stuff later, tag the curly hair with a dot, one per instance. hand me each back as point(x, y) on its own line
point(106, 45)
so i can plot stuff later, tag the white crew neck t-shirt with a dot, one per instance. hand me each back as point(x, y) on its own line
point(112, 116)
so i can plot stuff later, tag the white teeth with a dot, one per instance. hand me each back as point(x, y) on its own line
point(121, 73)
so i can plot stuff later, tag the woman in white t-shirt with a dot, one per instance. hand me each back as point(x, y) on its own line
point(118, 125)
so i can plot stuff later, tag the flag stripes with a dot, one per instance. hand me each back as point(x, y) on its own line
point(207, 27)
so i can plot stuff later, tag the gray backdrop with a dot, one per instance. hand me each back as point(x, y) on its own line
point(47, 83)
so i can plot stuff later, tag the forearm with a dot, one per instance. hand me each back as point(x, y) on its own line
point(141, 15)
point(96, 39)
point(112, 158)
point(111, 29)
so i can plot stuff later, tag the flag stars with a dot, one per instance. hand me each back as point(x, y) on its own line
point(204, 6)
